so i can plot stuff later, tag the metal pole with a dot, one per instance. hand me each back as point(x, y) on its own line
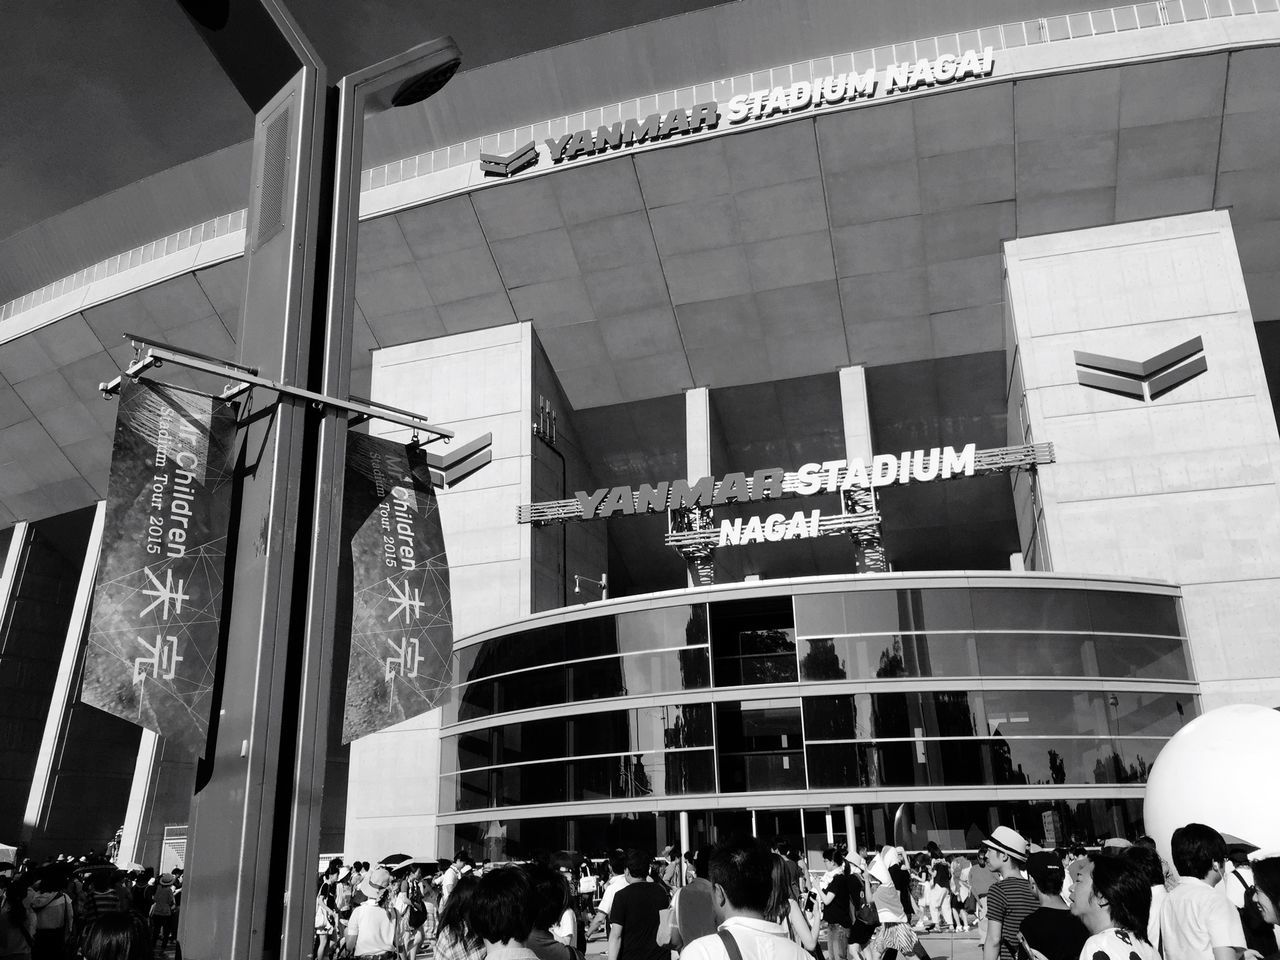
point(236, 865)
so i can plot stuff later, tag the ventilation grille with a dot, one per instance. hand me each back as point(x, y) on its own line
point(275, 170)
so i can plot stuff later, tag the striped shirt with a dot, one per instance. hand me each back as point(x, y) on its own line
point(1010, 901)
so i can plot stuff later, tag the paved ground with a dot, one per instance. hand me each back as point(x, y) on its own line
point(959, 946)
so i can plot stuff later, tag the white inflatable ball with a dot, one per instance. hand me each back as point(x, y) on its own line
point(1223, 769)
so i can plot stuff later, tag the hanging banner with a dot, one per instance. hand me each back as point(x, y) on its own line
point(153, 632)
point(401, 622)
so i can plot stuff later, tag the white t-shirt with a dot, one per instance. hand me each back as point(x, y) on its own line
point(757, 939)
point(566, 930)
point(374, 930)
point(1114, 944)
point(615, 884)
point(1196, 918)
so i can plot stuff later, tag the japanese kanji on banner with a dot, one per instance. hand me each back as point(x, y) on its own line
point(401, 623)
point(153, 632)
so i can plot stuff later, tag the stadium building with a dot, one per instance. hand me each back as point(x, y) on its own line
point(883, 428)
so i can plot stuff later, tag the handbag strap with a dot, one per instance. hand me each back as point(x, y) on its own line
point(730, 945)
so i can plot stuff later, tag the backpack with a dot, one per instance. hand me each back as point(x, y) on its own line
point(417, 907)
point(1258, 934)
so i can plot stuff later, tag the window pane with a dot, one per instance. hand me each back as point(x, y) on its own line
point(760, 746)
point(949, 609)
point(819, 660)
point(1034, 713)
point(755, 773)
point(663, 627)
point(829, 718)
point(832, 765)
point(1039, 610)
point(1056, 761)
point(1149, 714)
point(1031, 655)
point(893, 765)
point(820, 614)
point(753, 641)
point(960, 762)
point(1146, 658)
point(1114, 612)
point(871, 611)
point(900, 655)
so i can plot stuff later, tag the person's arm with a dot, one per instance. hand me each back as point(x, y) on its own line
point(806, 935)
point(991, 949)
point(353, 931)
point(596, 923)
point(675, 941)
point(615, 941)
point(1228, 953)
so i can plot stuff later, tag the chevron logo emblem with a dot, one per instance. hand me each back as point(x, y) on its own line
point(448, 468)
point(1146, 379)
point(496, 165)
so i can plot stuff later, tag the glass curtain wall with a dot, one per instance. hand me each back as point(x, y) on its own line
point(797, 725)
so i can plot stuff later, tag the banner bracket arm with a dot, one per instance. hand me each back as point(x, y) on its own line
point(246, 378)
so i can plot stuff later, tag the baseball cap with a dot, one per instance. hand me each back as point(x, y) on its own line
point(1045, 869)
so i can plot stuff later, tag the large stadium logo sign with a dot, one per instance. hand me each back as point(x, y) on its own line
point(761, 105)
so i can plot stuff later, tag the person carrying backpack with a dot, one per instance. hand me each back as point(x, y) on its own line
point(938, 891)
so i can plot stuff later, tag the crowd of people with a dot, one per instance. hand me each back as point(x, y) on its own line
point(86, 909)
point(750, 901)
point(1123, 902)
point(1218, 899)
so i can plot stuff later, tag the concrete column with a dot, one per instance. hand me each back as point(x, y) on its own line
point(848, 826)
point(64, 683)
point(697, 441)
point(131, 839)
point(685, 843)
point(1016, 562)
point(831, 828)
point(857, 418)
point(17, 543)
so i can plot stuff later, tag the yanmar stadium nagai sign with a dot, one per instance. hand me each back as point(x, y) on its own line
point(760, 105)
point(771, 482)
point(696, 533)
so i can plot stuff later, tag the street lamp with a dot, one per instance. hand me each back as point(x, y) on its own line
point(254, 838)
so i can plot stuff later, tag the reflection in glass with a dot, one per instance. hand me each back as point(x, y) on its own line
point(664, 672)
point(643, 730)
point(657, 629)
point(1145, 658)
point(1036, 655)
point(753, 642)
point(627, 776)
point(760, 746)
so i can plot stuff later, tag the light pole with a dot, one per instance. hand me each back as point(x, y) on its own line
point(254, 837)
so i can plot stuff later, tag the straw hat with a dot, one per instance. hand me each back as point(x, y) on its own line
point(1008, 841)
point(375, 882)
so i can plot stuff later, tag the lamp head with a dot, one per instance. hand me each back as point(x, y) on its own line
point(409, 77)
point(426, 84)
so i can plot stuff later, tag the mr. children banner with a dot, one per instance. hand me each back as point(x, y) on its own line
point(401, 623)
point(153, 633)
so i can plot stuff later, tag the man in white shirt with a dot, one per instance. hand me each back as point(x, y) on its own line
point(742, 879)
point(617, 880)
point(1197, 921)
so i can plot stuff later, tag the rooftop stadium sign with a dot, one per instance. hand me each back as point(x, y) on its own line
point(761, 105)
point(830, 476)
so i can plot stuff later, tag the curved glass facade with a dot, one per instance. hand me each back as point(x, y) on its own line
point(833, 693)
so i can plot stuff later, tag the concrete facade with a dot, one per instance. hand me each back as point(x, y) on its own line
point(1184, 487)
